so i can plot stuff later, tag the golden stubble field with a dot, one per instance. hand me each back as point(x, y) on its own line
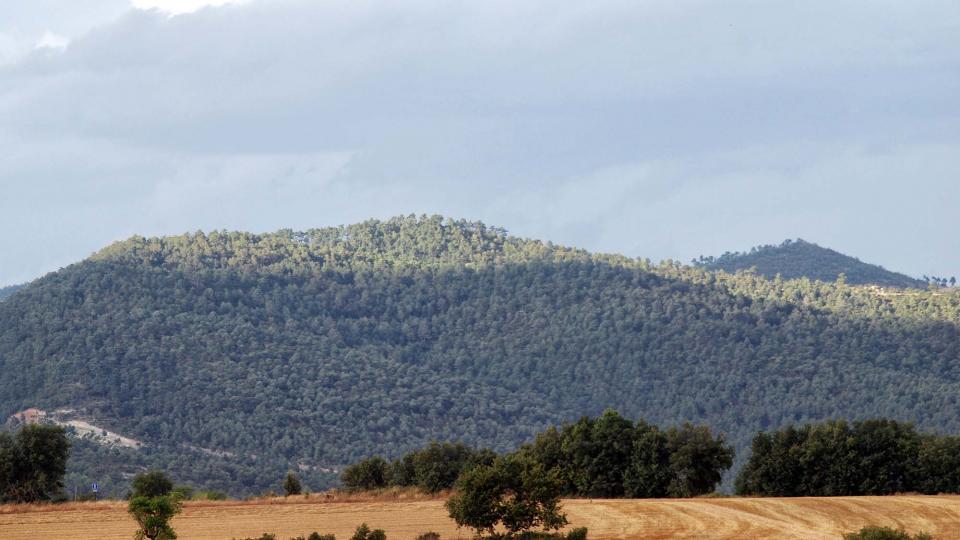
point(720, 518)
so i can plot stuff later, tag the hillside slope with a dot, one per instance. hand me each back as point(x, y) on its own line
point(8, 290)
point(234, 357)
point(797, 258)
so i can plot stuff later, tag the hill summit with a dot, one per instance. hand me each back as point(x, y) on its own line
point(798, 258)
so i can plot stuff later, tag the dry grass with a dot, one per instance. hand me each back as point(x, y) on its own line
point(405, 514)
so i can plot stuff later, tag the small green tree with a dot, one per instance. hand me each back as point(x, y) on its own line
point(151, 484)
point(292, 485)
point(515, 491)
point(153, 515)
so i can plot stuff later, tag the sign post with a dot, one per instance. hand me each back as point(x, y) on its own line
point(96, 490)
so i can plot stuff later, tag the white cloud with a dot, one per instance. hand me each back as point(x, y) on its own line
point(50, 40)
point(177, 7)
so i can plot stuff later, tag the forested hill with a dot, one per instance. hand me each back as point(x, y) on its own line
point(234, 357)
point(8, 290)
point(797, 259)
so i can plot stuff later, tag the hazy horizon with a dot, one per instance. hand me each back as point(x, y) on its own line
point(653, 129)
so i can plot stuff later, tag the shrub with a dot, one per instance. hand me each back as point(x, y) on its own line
point(210, 496)
point(291, 485)
point(875, 532)
point(364, 533)
point(429, 536)
point(184, 492)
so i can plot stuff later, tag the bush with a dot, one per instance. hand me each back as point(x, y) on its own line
point(364, 533)
point(429, 536)
point(184, 492)
point(210, 496)
point(875, 532)
point(292, 485)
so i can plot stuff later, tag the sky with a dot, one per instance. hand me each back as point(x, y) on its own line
point(651, 128)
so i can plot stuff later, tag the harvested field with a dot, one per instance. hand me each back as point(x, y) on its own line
point(721, 518)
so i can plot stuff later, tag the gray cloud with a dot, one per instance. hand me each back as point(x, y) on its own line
point(657, 129)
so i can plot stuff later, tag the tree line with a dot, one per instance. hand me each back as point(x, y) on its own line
point(870, 457)
point(606, 457)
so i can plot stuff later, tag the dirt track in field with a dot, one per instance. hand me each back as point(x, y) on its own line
point(722, 518)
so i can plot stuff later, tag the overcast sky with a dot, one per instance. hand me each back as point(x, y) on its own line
point(649, 128)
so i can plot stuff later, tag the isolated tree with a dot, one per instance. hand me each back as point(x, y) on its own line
point(514, 492)
point(151, 484)
point(153, 515)
point(33, 463)
point(292, 485)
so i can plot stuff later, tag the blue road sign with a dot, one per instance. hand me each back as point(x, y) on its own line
point(96, 487)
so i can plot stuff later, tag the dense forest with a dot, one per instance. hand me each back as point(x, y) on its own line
point(8, 290)
point(795, 259)
point(236, 357)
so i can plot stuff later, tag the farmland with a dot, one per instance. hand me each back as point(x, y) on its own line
point(706, 518)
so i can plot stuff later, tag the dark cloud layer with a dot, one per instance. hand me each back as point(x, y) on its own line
point(655, 129)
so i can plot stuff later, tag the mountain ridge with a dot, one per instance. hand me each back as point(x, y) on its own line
point(309, 350)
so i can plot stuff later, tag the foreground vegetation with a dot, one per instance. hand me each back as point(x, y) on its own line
point(235, 357)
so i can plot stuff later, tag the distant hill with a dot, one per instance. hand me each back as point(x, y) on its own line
point(8, 290)
point(797, 258)
point(231, 358)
